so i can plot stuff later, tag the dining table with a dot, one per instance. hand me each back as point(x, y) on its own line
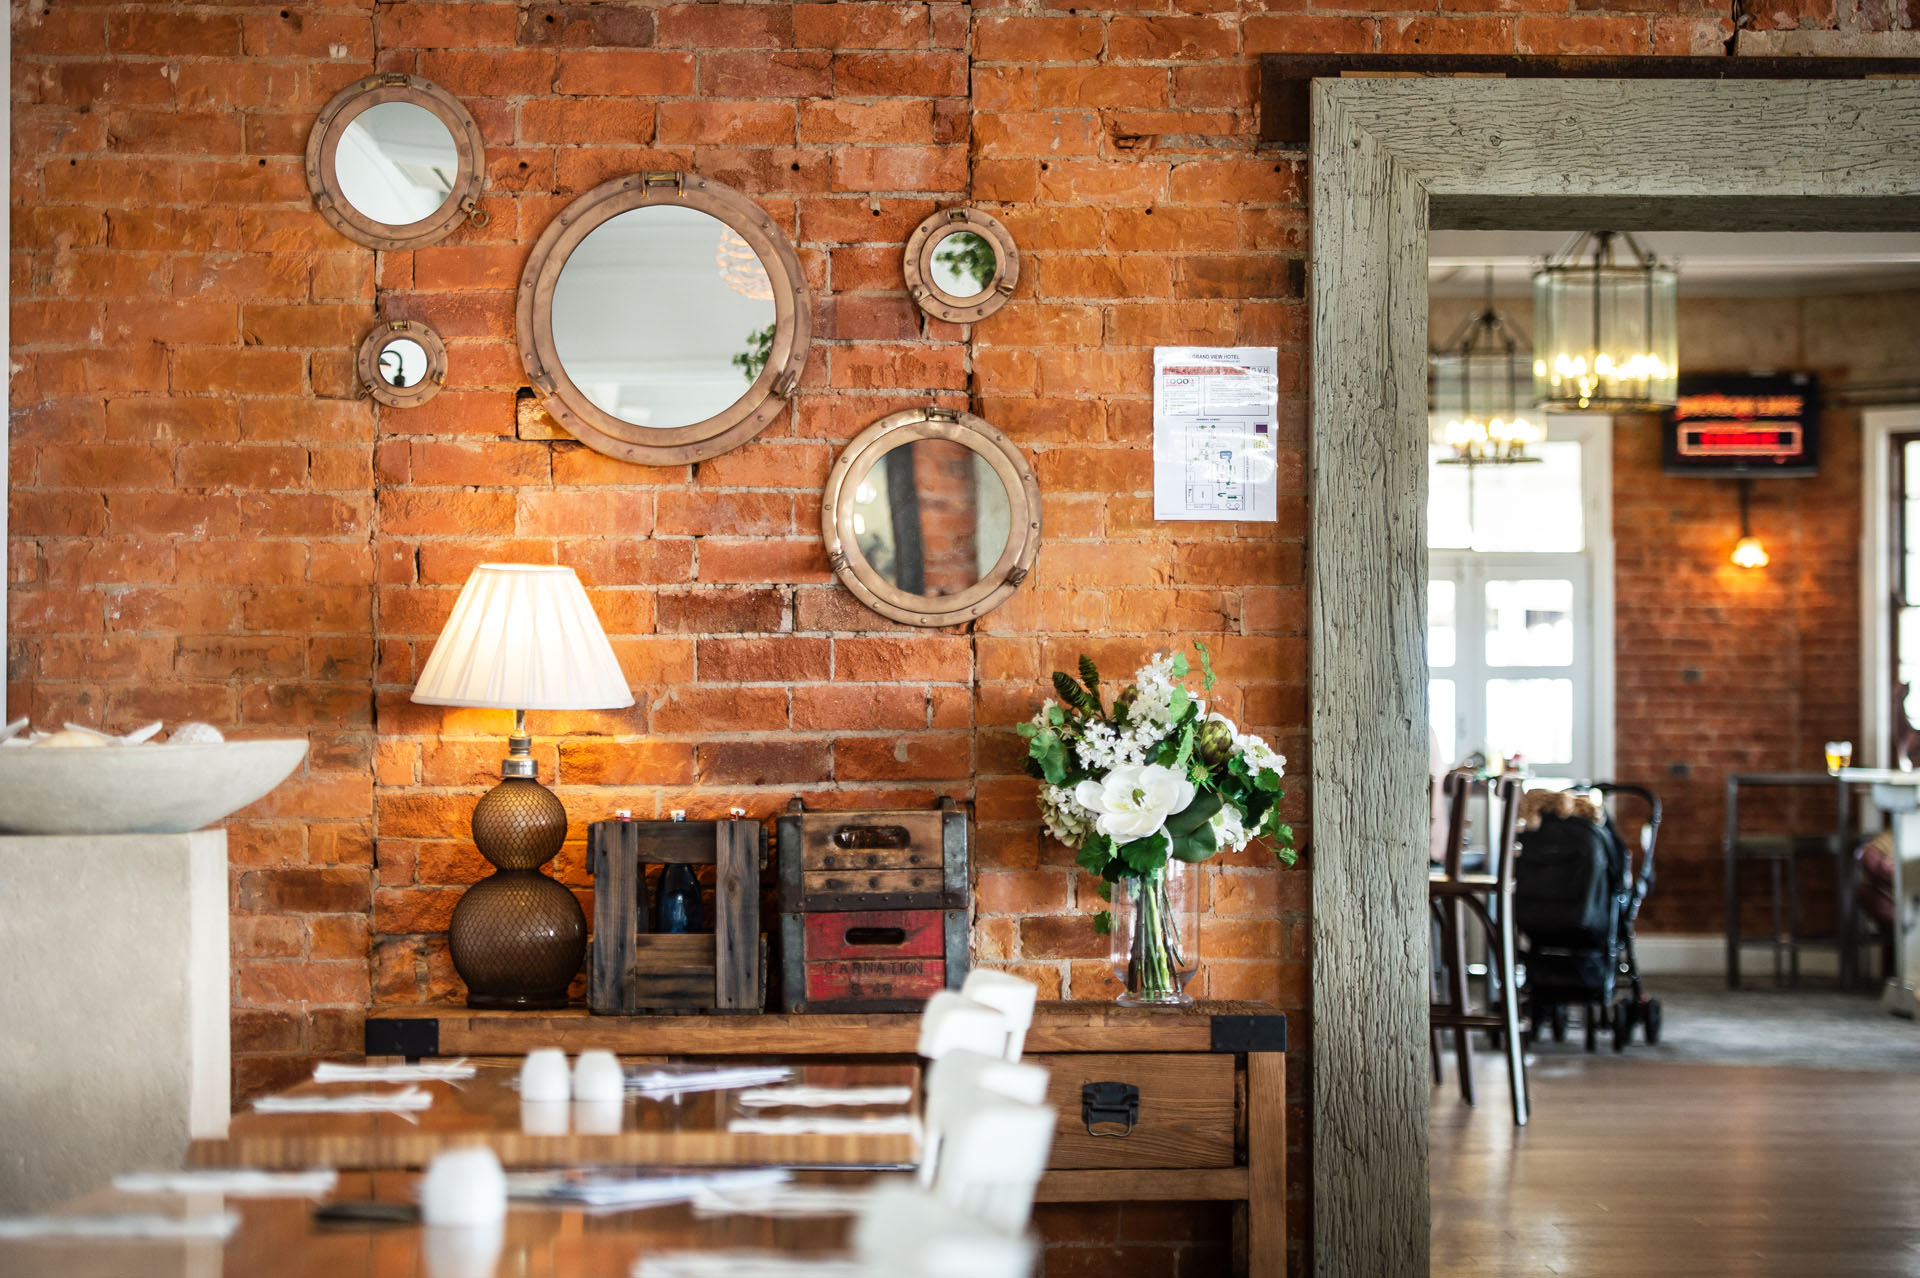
point(283, 1238)
point(688, 1129)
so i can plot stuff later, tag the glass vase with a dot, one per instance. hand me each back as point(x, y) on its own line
point(1155, 942)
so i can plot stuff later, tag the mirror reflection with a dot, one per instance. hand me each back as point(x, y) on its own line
point(663, 316)
point(963, 265)
point(931, 516)
point(402, 363)
point(396, 163)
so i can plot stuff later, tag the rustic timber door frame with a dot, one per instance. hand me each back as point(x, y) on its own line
point(1392, 158)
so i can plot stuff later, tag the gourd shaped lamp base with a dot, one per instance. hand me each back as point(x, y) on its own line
point(518, 937)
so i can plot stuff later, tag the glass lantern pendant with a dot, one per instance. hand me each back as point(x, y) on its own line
point(1604, 328)
point(1480, 394)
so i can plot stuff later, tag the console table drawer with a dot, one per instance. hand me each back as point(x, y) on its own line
point(1185, 1119)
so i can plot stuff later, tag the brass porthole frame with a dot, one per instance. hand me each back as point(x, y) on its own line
point(323, 146)
point(366, 364)
point(1023, 517)
point(917, 265)
point(769, 393)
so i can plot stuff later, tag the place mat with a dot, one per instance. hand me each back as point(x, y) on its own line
point(234, 1182)
point(782, 1200)
point(610, 1192)
point(332, 1072)
point(827, 1125)
point(803, 1097)
point(216, 1225)
point(409, 1098)
point(745, 1264)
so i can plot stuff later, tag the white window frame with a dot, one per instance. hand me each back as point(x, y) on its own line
point(1877, 427)
point(1594, 434)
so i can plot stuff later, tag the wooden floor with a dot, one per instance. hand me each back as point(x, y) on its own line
point(1630, 1167)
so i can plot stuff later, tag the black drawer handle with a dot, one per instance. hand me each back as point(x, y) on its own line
point(876, 936)
point(1109, 1105)
point(872, 836)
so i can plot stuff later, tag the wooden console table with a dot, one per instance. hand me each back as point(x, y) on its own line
point(1210, 1080)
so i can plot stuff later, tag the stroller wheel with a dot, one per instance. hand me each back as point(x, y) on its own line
point(1559, 1022)
point(1622, 1026)
point(1652, 1017)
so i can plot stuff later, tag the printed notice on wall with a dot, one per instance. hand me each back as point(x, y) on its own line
point(1213, 429)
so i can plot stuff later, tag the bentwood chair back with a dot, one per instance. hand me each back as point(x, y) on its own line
point(992, 1159)
point(952, 1022)
point(962, 1081)
point(1012, 997)
point(908, 1232)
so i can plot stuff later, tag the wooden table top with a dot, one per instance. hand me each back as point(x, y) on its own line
point(278, 1237)
point(690, 1131)
point(451, 1029)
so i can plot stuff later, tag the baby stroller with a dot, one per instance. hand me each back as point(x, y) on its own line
point(1577, 893)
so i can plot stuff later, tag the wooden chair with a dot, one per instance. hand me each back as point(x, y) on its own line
point(1452, 894)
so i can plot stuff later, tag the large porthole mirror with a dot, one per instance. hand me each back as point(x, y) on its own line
point(931, 517)
point(664, 318)
point(395, 162)
point(961, 265)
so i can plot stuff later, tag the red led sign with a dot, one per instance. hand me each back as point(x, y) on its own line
point(1743, 425)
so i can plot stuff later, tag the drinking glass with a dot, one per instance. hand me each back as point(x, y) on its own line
point(1839, 755)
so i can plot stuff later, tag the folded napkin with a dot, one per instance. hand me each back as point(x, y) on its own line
point(745, 1264)
point(216, 1225)
point(827, 1125)
point(235, 1182)
point(672, 1080)
point(821, 1097)
point(328, 1072)
point(781, 1200)
point(603, 1192)
point(408, 1098)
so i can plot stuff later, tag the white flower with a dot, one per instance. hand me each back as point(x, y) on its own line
point(1134, 802)
point(1229, 828)
point(1259, 755)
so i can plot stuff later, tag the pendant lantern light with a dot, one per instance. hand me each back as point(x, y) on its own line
point(1480, 392)
point(1604, 328)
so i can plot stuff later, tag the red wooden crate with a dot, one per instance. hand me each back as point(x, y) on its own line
point(871, 960)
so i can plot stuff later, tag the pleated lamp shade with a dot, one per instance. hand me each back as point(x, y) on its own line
point(523, 637)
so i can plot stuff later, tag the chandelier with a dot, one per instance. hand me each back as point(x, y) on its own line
point(1480, 393)
point(741, 267)
point(1604, 328)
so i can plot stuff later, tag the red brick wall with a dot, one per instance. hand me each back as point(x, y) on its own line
point(207, 522)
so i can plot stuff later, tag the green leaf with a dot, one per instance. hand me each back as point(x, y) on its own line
point(1095, 854)
point(1206, 666)
point(1074, 695)
point(1144, 856)
point(1103, 923)
point(1184, 750)
point(1090, 675)
point(1180, 666)
point(1027, 729)
point(1267, 779)
point(1047, 750)
point(1104, 890)
point(1055, 715)
point(1197, 846)
point(1194, 815)
point(1180, 704)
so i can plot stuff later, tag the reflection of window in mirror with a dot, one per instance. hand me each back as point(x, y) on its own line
point(658, 318)
point(396, 163)
point(963, 264)
point(403, 362)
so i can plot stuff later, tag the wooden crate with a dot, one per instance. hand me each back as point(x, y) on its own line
point(888, 859)
point(870, 960)
point(631, 969)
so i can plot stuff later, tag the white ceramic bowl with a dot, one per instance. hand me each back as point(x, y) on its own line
point(144, 789)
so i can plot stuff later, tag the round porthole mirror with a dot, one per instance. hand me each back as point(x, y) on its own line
point(931, 517)
point(395, 162)
point(664, 318)
point(961, 265)
point(402, 363)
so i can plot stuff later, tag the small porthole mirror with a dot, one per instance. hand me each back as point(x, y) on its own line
point(664, 318)
point(931, 517)
point(961, 265)
point(402, 363)
point(395, 162)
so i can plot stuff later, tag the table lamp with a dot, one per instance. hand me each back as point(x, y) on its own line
point(522, 637)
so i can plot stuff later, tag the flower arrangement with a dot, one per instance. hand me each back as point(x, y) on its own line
point(1154, 778)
